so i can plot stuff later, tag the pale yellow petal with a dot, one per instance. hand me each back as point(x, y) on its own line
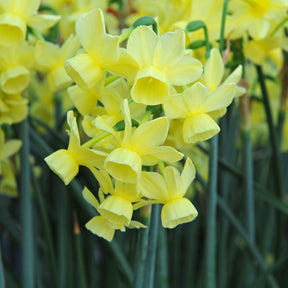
point(187, 175)
point(84, 100)
point(125, 66)
point(169, 50)
point(175, 107)
point(151, 133)
point(259, 28)
point(200, 127)
point(186, 71)
point(12, 29)
point(235, 76)
point(84, 70)
point(90, 28)
point(90, 158)
point(220, 98)
point(117, 210)
point(173, 182)
point(124, 165)
point(74, 140)
point(46, 54)
point(177, 212)
point(104, 180)
point(214, 69)
point(99, 226)
point(63, 164)
point(90, 198)
point(15, 79)
point(150, 87)
point(152, 186)
point(42, 22)
point(58, 79)
point(9, 148)
point(141, 45)
point(152, 156)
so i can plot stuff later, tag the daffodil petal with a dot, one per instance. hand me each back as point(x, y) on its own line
point(151, 133)
point(84, 70)
point(90, 198)
point(200, 127)
point(170, 49)
point(220, 98)
point(141, 45)
point(186, 71)
point(124, 165)
point(153, 155)
point(117, 210)
point(152, 186)
point(176, 212)
point(99, 226)
point(63, 164)
point(214, 69)
point(42, 22)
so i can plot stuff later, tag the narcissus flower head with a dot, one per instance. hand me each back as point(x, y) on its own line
point(170, 190)
point(99, 50)
point(155, 63)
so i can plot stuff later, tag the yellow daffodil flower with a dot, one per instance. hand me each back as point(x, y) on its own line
point(16, 15)
point(194, 105)
point(13, 108)
point(65, 163)
point(50, 58)
point(154, 63)
point(7, 148)
point(100, 225)
point(16, 62)
point(255, 17)
point(100, 50)
point(116, 208)
point(170, 190)
point(138, 147)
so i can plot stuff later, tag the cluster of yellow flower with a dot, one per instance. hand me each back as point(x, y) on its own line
point(144, 97)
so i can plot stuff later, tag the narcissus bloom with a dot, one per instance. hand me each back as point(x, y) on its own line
point(154, 63)
point(256, 16)
point(140, 146)
point(13, 108)
point(7, 148)
point(199, 104)
point(50, 58)
point(170, 190)
point(117, 207)
point(16, 62)
point(194, 105)
point(100, 225)
point(16, 15)
point(100, 50)
point(65, 163)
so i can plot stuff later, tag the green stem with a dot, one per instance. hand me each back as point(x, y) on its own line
point(26, 209)
point(152, 247)
point(95, 140)
point(44, 149)
point(281, 24)
point(2, 277)
point(251, 246)
point(272, 135)
point(260, 191)
point(45, 221)
point(142, 246)
point(223, 20)
point(162, 263)
point(80, 259)
point(248, 184)
point(210, 244)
